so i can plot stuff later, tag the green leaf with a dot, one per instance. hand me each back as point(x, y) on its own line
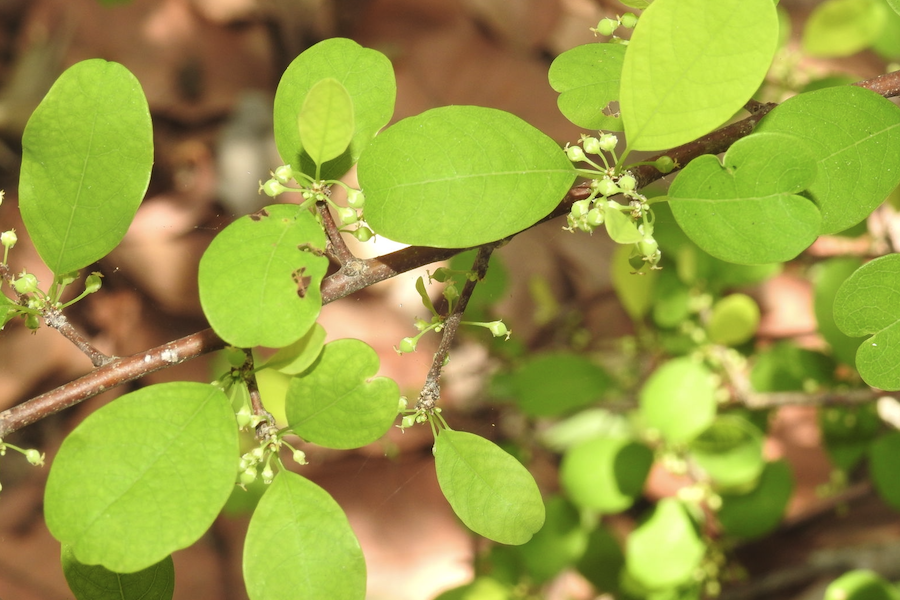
point(337, 402)
point(482, 588)
point(93, 582)
point(854, 134)
point(587, 79)
point(691, 65)
point(665, 550)
point(868, 302)
point(861, 585)
point(143, 476)
point(605, 474)
point(758, 512)
point(636, 291)
point(786, 368)
point(555, 384)
point(827, 279)
point(489, 490)
point(87, 151)
point(883, 466)
point(843, 27)
point(559, 543)
point(731, 452)
point(460, 176)
point(326, 120)
point(895, 5)
point(678, 400)
point(639, 4)
point(259, 279)
point(602, 561)
point(367, 76)
point(620, 227)
point(847, 432)
point(747, 210)
point(296, 358)
point(734, 320)
point(299, 545)
point(7, 310)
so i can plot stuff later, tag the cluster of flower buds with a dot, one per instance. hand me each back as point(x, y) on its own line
point(607, 26)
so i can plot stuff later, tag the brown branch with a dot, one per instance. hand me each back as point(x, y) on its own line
point(58, 321)
point(337, 248)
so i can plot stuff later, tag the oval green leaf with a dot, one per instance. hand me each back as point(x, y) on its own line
point(861, 585)
point(299, 545)
point(758, 512)
point(560, 542)
point(296, 358)
point(94, 582)
point(883, 464)
point(747, 210)
point(868, 302)
point(664, 550)
point(556, 384)
point(827, 278)
point(260, 277)
point(854, 134)
point(337, 402)
point(734, 320)
point(460, 176)
point(587, 79)
point(847, 432)
point(143, 476)
point(731, 452)
point(326, 120)
point(87, 151)
point(367, 76)
point(678, 400)
point(489, 490)
point(843, 27)
point(691, 65)
point(605, 474)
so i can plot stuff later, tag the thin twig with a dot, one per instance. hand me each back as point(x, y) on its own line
point(58, 321)
point(337, 248)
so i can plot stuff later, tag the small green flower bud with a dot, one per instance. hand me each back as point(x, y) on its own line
point(9, 238)
point(580, 208)
point(608, 142)
point(244, 417)
point(407, 421)
point(498, 329)
point(283, 174)
point(299, 457)
point(591, 145)
point(648, 247)
point(347, 215)
point(575, 153)
point(407, 344)
point(267, 475)
point(629, 20)
point(664, 164)
point(607, 187)
point(627, 182)
point(92, 283)
point(607, 26)
point(272, 188)
point(422, 325)
point(402, 403)
point(363, 234)
point(441, 274)
point(594, 218)
point(451, 292)
point(356, 199)
point(26, 283)
point(258, 454)
point(35, 457)
point(248, 476)
point(421, 417)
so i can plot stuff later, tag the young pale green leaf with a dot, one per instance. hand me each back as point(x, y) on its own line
point(560, 542)
point(587, 79)
point(731, 452)
point(883, 466)
point(895, 5)
point(605, 474)
point(337, 402)
point(861, 584)
point(665, 549)
point(843, 27)
point(367, 76)
point(868, 302)
point(86, 157)
point(827, 278)
point(734, 320)
point(758, 512)
point(489, 490)
point(297, 357)
point(94, 582)
point(143, 476)
point(460, 176)
point(747, 210)
point(299, 545)
point(326, 120)
point(691, 65)
point(259, 278)
point(620, 227)
point(854, 134)
point(678, 400)
point(555, 384)
point(635, 292)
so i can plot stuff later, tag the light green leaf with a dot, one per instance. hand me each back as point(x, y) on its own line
point(620, 227)
point(94, 582)
point(734, 320)
point(560, 542)
point(326, 120)
point(678, 399)
point(894, 4)
point(460, 176)
point(639, 4)
point(691, 65)
point(605, 474)
point(843, 27)
point(665, 549)
point(143, 476)
point(489, 490)
point(854, 134)
point(260, 277)
point(783, 367)
point(367, 76)
point(827, 277)
point(296, 358)
point(86, 157)
point(731, 452)
point(758, 512)
point(337, 402)
point(587, 79)
point(636, 292)
point(555, 384)
point(868, 302)
point(747, 210)
point(861, 585)
point(299, 545)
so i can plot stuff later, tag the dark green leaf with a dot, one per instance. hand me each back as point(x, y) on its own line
point(827, 278)
point(731, 452)
point(555, 384)
point(559, 543)
point(758, 512)
point(93, 582)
